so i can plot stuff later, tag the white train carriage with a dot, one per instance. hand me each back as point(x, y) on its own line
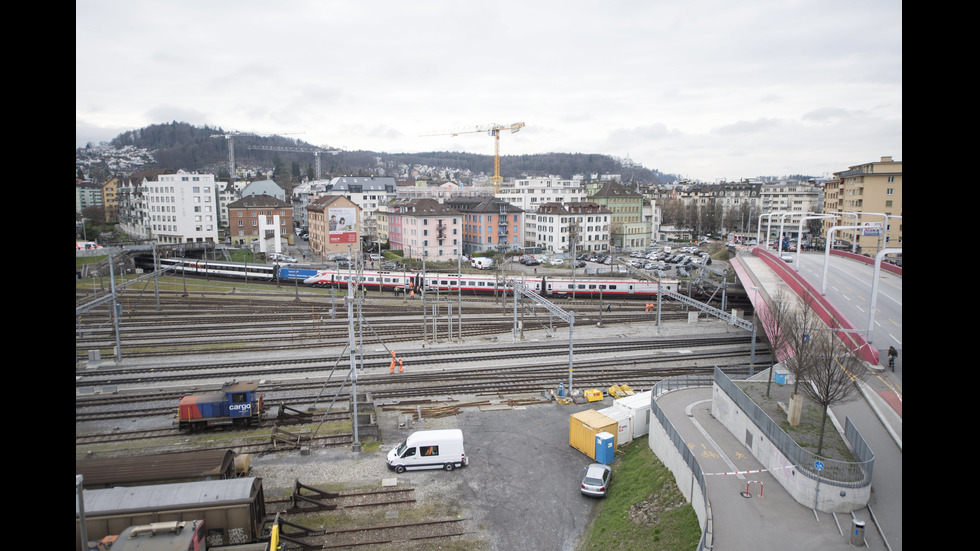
point(487, 285)
point(240, 270)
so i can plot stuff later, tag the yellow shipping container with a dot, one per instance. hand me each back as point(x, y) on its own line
point(583, 428)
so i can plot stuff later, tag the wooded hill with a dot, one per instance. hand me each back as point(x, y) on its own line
point(181, 146)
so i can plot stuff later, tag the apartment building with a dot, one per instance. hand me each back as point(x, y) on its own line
point(868, 195)
point(178, 208)
point(334, 226)
point(256, 217)
point(425, 228)
point(629, 229)
point(489, 224)
point(788, 202)
point(573, 228)
point(528, 194)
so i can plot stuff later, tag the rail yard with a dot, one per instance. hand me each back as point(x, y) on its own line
point(457, 356)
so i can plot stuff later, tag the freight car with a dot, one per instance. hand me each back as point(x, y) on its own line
point(237, 404)
point(233, 510)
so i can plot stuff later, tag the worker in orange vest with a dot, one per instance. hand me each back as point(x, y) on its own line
point(401, 366)
point(392, 368)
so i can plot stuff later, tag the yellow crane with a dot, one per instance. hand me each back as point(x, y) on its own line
point(493, 130)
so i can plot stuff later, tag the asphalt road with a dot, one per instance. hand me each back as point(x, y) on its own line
point(522, 482)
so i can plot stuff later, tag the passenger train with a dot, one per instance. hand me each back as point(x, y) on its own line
point(554, 286)
point(410, 281)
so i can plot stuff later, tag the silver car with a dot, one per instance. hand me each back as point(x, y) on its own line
point(596, 480)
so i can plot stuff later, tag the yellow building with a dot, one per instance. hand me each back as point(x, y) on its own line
point(868, 195)
point(110, 201)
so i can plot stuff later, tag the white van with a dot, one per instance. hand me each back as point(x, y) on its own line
point(429, 449)
point(482, 263)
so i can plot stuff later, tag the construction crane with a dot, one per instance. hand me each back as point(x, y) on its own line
point(230, 137)
point(492, 130)
point(314, 150)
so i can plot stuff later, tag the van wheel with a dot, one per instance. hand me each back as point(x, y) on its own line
point(400, 469)
point(449, 466)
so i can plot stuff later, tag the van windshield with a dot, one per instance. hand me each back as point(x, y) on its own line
point(400, 449)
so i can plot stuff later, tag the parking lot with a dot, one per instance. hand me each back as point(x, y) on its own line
point(523, 479)
point(521, 489)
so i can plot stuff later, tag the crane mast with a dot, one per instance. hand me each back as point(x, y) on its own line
point(492, 130)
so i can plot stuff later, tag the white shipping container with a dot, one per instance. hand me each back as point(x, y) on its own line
point(624, 421)
point(639, 407)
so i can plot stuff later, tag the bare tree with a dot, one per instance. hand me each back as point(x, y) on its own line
point(803, 326)
point(773, 320)
point(830, 373)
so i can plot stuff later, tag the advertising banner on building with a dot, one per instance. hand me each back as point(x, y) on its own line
point(342, 224)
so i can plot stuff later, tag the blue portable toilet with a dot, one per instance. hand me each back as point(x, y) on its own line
point(605, 447)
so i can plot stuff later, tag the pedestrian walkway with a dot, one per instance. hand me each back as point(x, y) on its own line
point(750, 510)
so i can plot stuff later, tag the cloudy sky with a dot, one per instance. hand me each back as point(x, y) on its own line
point(705, 89)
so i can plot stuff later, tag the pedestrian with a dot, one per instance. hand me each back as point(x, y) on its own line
point(892, 355)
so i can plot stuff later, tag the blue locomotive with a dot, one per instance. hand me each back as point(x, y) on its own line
point(237, 404)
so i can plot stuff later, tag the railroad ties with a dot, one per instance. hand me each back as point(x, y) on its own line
point(306, 499)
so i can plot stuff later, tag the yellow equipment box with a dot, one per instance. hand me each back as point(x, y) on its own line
point(593, 394)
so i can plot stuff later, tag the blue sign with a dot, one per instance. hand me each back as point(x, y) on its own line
point(818, 465)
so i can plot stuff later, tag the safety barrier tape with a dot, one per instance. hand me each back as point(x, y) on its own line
point(752, 471)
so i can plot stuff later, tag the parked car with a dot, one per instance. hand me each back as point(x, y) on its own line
point(786, 257)
point(556, 261)
point(580, 264)
point(595, 483)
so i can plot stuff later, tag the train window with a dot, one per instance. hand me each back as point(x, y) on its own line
point(592, 286)
point(602, 286)
point(612, 286)
point(239, 398)
point(570, 286)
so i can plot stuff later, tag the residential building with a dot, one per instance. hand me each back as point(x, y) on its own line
point(179, 208)
point(788, 202)
point(110, 201)
point(264, 187)
point(572, 228)
point(489, 224)
point(629, 229)
point(87, 194)
point(425, 228)
point(368, 193)
point(334, 226)
point(868, 195)
point(256, 217)
point(529, 193)
point(228, 193)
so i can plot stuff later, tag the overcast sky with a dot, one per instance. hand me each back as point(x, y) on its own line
point(703, 89)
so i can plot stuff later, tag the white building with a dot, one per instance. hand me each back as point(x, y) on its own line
point(528, 194)
point(573, 228)
point(181, 208)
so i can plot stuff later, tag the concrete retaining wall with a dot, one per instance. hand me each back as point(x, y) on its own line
point(823, 495)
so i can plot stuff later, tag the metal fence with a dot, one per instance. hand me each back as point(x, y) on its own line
point(842, 473)
point(663, 387)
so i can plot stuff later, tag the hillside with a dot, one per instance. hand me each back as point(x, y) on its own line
point(175, 146)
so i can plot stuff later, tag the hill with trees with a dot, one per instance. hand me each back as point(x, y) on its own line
point(181, 146)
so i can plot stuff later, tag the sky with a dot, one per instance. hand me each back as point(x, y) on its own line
point(708, 90)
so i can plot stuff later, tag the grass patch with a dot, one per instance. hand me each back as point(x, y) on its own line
point(644, 510)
